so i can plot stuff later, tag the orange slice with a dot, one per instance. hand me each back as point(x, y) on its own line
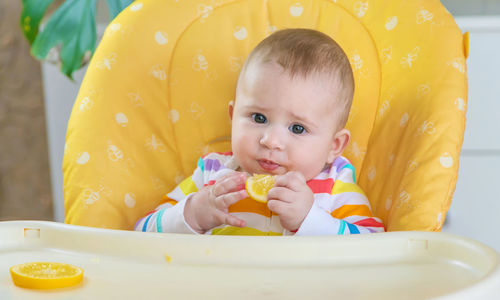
point(45, 275)
point(258, 186)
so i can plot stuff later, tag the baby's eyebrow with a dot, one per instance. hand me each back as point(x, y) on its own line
point(303, 120)
point(254, 107)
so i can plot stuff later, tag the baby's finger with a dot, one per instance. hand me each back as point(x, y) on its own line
point(222, 202)
point(292, 180)
point(277, 206)
point(280, 193)
point(230, 183)
point(231, 220)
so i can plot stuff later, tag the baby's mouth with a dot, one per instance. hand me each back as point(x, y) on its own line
point(268, 165)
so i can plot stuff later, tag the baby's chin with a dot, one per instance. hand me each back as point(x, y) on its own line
point(255, 168)
point(278, 171)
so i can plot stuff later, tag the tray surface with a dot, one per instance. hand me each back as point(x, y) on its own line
point(135, 265)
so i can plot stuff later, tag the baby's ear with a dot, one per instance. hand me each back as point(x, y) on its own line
point(340, 141)
point(231, 108)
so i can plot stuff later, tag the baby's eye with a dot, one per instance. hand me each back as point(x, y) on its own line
point(259, 118)
point(297, 129)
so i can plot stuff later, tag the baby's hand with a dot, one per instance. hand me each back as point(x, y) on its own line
point(208, 208)
point(291, 198)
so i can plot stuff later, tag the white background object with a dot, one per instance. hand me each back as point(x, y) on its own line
point(475, 209)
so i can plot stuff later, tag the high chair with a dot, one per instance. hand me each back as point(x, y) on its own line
point(155, 98)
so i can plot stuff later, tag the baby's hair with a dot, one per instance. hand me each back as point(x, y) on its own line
point(305, 51)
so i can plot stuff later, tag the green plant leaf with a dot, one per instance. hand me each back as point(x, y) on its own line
point(116, 6)
point(71, 32)
point(32, 14)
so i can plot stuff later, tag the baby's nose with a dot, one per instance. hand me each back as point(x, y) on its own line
point(273, 139)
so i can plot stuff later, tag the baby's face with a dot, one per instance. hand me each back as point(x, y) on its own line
point(280, 124)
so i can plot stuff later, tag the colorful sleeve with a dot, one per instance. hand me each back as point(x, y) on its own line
point(345, 210)
point(169, 216)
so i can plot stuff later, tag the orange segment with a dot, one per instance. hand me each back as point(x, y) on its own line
point(258, 186)
point(45, 275)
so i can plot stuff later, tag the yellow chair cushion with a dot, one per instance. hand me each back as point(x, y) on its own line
point(156, 92)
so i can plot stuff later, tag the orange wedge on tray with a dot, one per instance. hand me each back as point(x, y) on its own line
point(46, 275)
point(258, 186)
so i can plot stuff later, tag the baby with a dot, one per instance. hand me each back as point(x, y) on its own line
point(293, 98)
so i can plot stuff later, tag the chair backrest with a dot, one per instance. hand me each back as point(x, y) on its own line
point(156, 92)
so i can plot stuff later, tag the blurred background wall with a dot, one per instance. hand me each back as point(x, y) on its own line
point(25, 189)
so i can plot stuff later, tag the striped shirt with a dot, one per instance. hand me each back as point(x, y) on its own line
point(339, 207)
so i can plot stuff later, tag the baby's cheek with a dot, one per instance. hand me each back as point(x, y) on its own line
point(241, 155)
point(311, 168)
